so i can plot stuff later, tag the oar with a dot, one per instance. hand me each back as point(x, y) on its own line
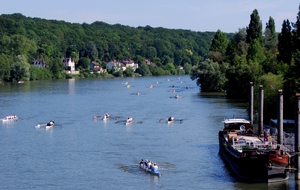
point(119, 121)
point(97, 116)
point(40, 125)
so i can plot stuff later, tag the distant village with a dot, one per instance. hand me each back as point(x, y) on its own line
point(69, 65)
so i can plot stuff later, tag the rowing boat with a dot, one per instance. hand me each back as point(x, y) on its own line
point(169, 122)
point(10, 118)
point(151, 171)
point(50, 125)
point(128, 122)
point(106, 118)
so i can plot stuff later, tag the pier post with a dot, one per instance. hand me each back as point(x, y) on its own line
point(280, 117)
point(297, 135)
point(251, 105)
point(260, 110)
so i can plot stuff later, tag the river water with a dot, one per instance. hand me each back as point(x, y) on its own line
point(80, 152)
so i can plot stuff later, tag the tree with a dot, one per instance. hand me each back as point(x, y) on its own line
point(144, 69)
point(285, 43)
point(256, 52)
point(270, 35)
point(5, 62)
point(209, 76)
point(296, 33)
point(219, 43)
point(254, 30)
point(92, 51)
point(57, 68)
point(128, 72)
point(187, 68)
point(84, 63)
point(20, 69)
point(291, 85)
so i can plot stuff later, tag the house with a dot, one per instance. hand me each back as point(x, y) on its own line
point(96, 66)
point(69, 62)
point(113, 64)
point(39, 63)
point(127, 62)
point(180, 67)
point(148, 62)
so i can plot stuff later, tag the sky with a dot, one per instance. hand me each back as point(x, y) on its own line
point(195, 15)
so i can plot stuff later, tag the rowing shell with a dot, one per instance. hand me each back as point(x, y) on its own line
point(49, 126)
point(128, 122)
point(169, 122)
point(151, 171)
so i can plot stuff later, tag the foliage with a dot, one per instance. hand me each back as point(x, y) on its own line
point(128, 72)
point(271, 84)
point(51, 39)
point(209, 75)
point(254, 30)
point(144, 69)
point(285, 43)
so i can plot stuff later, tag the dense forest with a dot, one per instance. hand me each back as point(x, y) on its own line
point(263, 57)
point(24, 39)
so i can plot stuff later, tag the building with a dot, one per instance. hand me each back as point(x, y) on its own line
point(39, 63)
point(127, 62)
point(114, 64)
point(96, 66)
point(70, 64)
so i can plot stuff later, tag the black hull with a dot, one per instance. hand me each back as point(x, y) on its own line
point(252, 167)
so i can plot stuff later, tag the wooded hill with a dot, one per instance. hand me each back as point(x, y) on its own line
point(24, 38)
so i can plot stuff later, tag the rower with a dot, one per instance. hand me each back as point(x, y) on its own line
point(176, 96)
point(155, 167)
point(141, 163)
point(129, 119)
point(149, 164)
point(171, 118)
point(107, 115)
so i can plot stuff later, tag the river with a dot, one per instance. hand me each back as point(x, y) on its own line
point(80, 152)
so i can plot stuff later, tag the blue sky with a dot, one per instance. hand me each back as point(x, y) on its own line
point(195, 15)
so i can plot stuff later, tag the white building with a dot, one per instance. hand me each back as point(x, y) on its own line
point(39, 63)
point(68, 62)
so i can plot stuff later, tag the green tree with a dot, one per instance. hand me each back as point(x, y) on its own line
point(291, 85)
point(285, 43)
point(256, 52)
point(209, 76)
point(296, 33)
point(144, 69)
point(254, 30)
point(219, 42)
point(5, 62)
point(128, 72)
point(270, 35)
point(84, 63)
point(92, 51)
point(271, 84)
point(187, 68)
point(20, 69)
point(57, 68)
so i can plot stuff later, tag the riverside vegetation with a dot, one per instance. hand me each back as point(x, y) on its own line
point(218, 61)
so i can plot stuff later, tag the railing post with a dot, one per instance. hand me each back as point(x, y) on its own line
point(260, 110)
point(280, 117)
point(297, 135)
point(251, 105)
